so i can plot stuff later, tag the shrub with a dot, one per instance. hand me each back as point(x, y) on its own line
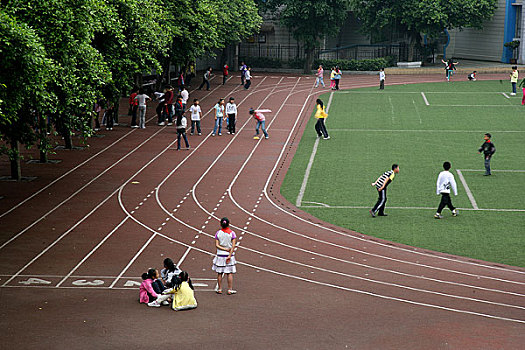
point(357, 65)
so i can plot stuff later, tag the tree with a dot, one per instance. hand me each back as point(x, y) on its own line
point(418, 17)
point(310, 21)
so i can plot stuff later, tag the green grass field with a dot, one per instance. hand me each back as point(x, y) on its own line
point(372, 129)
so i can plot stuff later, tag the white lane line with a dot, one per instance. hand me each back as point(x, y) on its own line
point(467, 190)
point(326, 206)
point(391, 108)
point(425, 98)
point(504, 94)
point(497, 170)
point(498, 106)
point(300, 196)
point(417, 111)
point(183, 257)
point(423, 130)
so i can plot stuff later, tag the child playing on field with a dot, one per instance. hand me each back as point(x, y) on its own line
point(472, 76)
point(514, 79)
point(522, 86)
point(332, 80)
point(196, 115)
point(321, 115)
point(444, 183)
point(381, 78)
point(224, 262)
point(182, 294)
point(261, 122)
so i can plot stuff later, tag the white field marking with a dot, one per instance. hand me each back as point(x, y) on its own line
point(434, 105)
point(504, 94)
point(418, 92)
point(183, 257)
point(363, 239)
point(78, 191)
point(310, 163)
point(79, 165)
point(425, 98)
point(322, 283)
point(310, 252)
point(423, 130)
point(497, 170)
point(417, 111)
point(467, 190)
point(322, 205)
point(90, 213)
point(391, 108)
point(318, 203)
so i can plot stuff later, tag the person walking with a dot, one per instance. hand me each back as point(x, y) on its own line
point(225, 73)
point(261, 122)
point(196, 115)
point(381, 78)
point(248, 77)
point(168, 103)
point(321, 115)
point(219, 116)
point(185, 95)
point(206, 79)
point(142, 99)
point(231, 112)
point(445, 182)
point(381, 184)
point(337, 77)
point(133, 107)
point(161, 107)
point(488, 150)
point(243, 69)
point(514, 75)
point(319, 76)
point(224, 262)
point(181, 124)
point(332, 78)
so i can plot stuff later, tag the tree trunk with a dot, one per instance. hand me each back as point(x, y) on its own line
point(14, 157)
point(309, 61)
point(42, 128)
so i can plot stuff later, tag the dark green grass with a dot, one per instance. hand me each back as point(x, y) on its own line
point(372, 129)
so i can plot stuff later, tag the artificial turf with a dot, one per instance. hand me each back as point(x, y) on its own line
point(372, 129)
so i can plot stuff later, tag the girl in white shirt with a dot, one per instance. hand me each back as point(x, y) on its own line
point(248, 77)
point(196, 115)
point(231, 112)
point(142, 98)
point(182, 123)
point(224, 262)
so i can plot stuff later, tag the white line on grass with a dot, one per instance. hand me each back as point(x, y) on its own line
point(417, 111)
point(474, 105)
point(467, 189)
point(424, 130)
point(326, 206)
point(504, 94)
point(311, 161)
point(425, 98)
point(498, 170)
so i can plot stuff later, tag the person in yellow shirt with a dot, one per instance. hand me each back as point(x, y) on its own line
point(332, 78)
point(182, 294)
point(514, 79)
point(321, 115)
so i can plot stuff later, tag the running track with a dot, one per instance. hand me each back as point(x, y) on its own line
point(72, 248)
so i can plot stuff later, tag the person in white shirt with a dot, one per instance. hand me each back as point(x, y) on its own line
point(185, 95)
point(248, 77)
point(445, 182)
point(196, 115)
point(231, 112)
point(142, 98)
point(182, 123)
point(381, 78)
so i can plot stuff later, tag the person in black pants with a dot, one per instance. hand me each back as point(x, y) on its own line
point(206, 79)
point(337, 77)
point(381, 184)
point(488, 150)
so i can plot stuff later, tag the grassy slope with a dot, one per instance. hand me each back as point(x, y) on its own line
point(345, 165)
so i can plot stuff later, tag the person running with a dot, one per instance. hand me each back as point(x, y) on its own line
point(472, 76)
point(133, 106)
point(337, 77)
point(332, 78)
point(381, 184)
point(450, 67)
point(444, 183)
point(225, 73)
point(321, 115)
point(319, 76)
point(488, 150)
point(196, 115)
point(243, 69)
point(248, 77)
point(224, 262)
point(206, 79)
point(231, 112)
point(514, 75)
point(261, 122)
point(381, 78)
point(182, 123)
point(219, 117)
point(142, 99)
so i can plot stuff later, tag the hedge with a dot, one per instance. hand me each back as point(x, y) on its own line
point(352, 65)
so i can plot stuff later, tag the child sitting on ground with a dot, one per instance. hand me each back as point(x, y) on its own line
point(472, 76)
point(150, 289)
point(182, 294)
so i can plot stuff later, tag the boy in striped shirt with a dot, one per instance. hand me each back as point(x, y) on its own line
point(381, 184)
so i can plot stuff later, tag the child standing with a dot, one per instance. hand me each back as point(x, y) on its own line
point(381, 78)
point(321, 115)
point(224, 73)
point(332, 79)
point(248, 77)
point(261, 122)
point(514, 79)
point(219, 116)
point(444, 183)
point(142, 98)
point(488, 150)
point(337, 77)
point(133, 106)
point(522, 86)
point(196, 115)
point(182, 123)
point(224, 261)
point(231, 112)
point(319, 76)
point(185, 95)
point(243, 71)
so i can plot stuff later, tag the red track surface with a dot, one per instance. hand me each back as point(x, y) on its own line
point(131, 200)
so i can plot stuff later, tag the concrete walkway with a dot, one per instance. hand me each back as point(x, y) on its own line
point(463, 67)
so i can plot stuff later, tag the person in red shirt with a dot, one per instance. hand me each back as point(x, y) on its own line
point(133, 107)
point(224, 73)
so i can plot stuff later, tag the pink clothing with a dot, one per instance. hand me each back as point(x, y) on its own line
point(145, 288)
point(258, 114)
point(523, 98)
point(320, 72)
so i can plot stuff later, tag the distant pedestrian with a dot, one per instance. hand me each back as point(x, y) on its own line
point(109, 115)
point(514, 75)
point(248, 77)
point(224, 262)
point(180, 80)
point(133, 107)
point(182, 124)
point(381, 184)
point(337, 77)
point(472, 76)
point(243, 69)
point(219, 117)
point(97, 108)
point(185, 95)
point(231, 112)
point(196, 115)
point(319, 76)
point(206, 78)
point(161, 108)
point(224, 73)
point(488, 150)
point(332, 78)
point(142, 99)
point(178, 106)
point(381, 78)
point(168, 102)
point(445, 182)
point(450, 67)
point(321, 115)
point(522, 86)
point(260, 122)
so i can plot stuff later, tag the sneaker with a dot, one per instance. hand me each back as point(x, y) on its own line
point(382, 214)
point(116, 124)
point(438, 216)
point(455, 212)
point(326, 138)
point(231, 291)
point(143, 127)
point(267, 137)
point(220, 134)
point(165, 303)
point(372, 213)
point(513, 94)
point(134, 126)
point(212, 134)
point(170, 123)
point(200, 134)
point(161, 124)
point(191, 133)
point(154, 303)
point(229, 133)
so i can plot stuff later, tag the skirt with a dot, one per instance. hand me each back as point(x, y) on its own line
point(220, 265)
